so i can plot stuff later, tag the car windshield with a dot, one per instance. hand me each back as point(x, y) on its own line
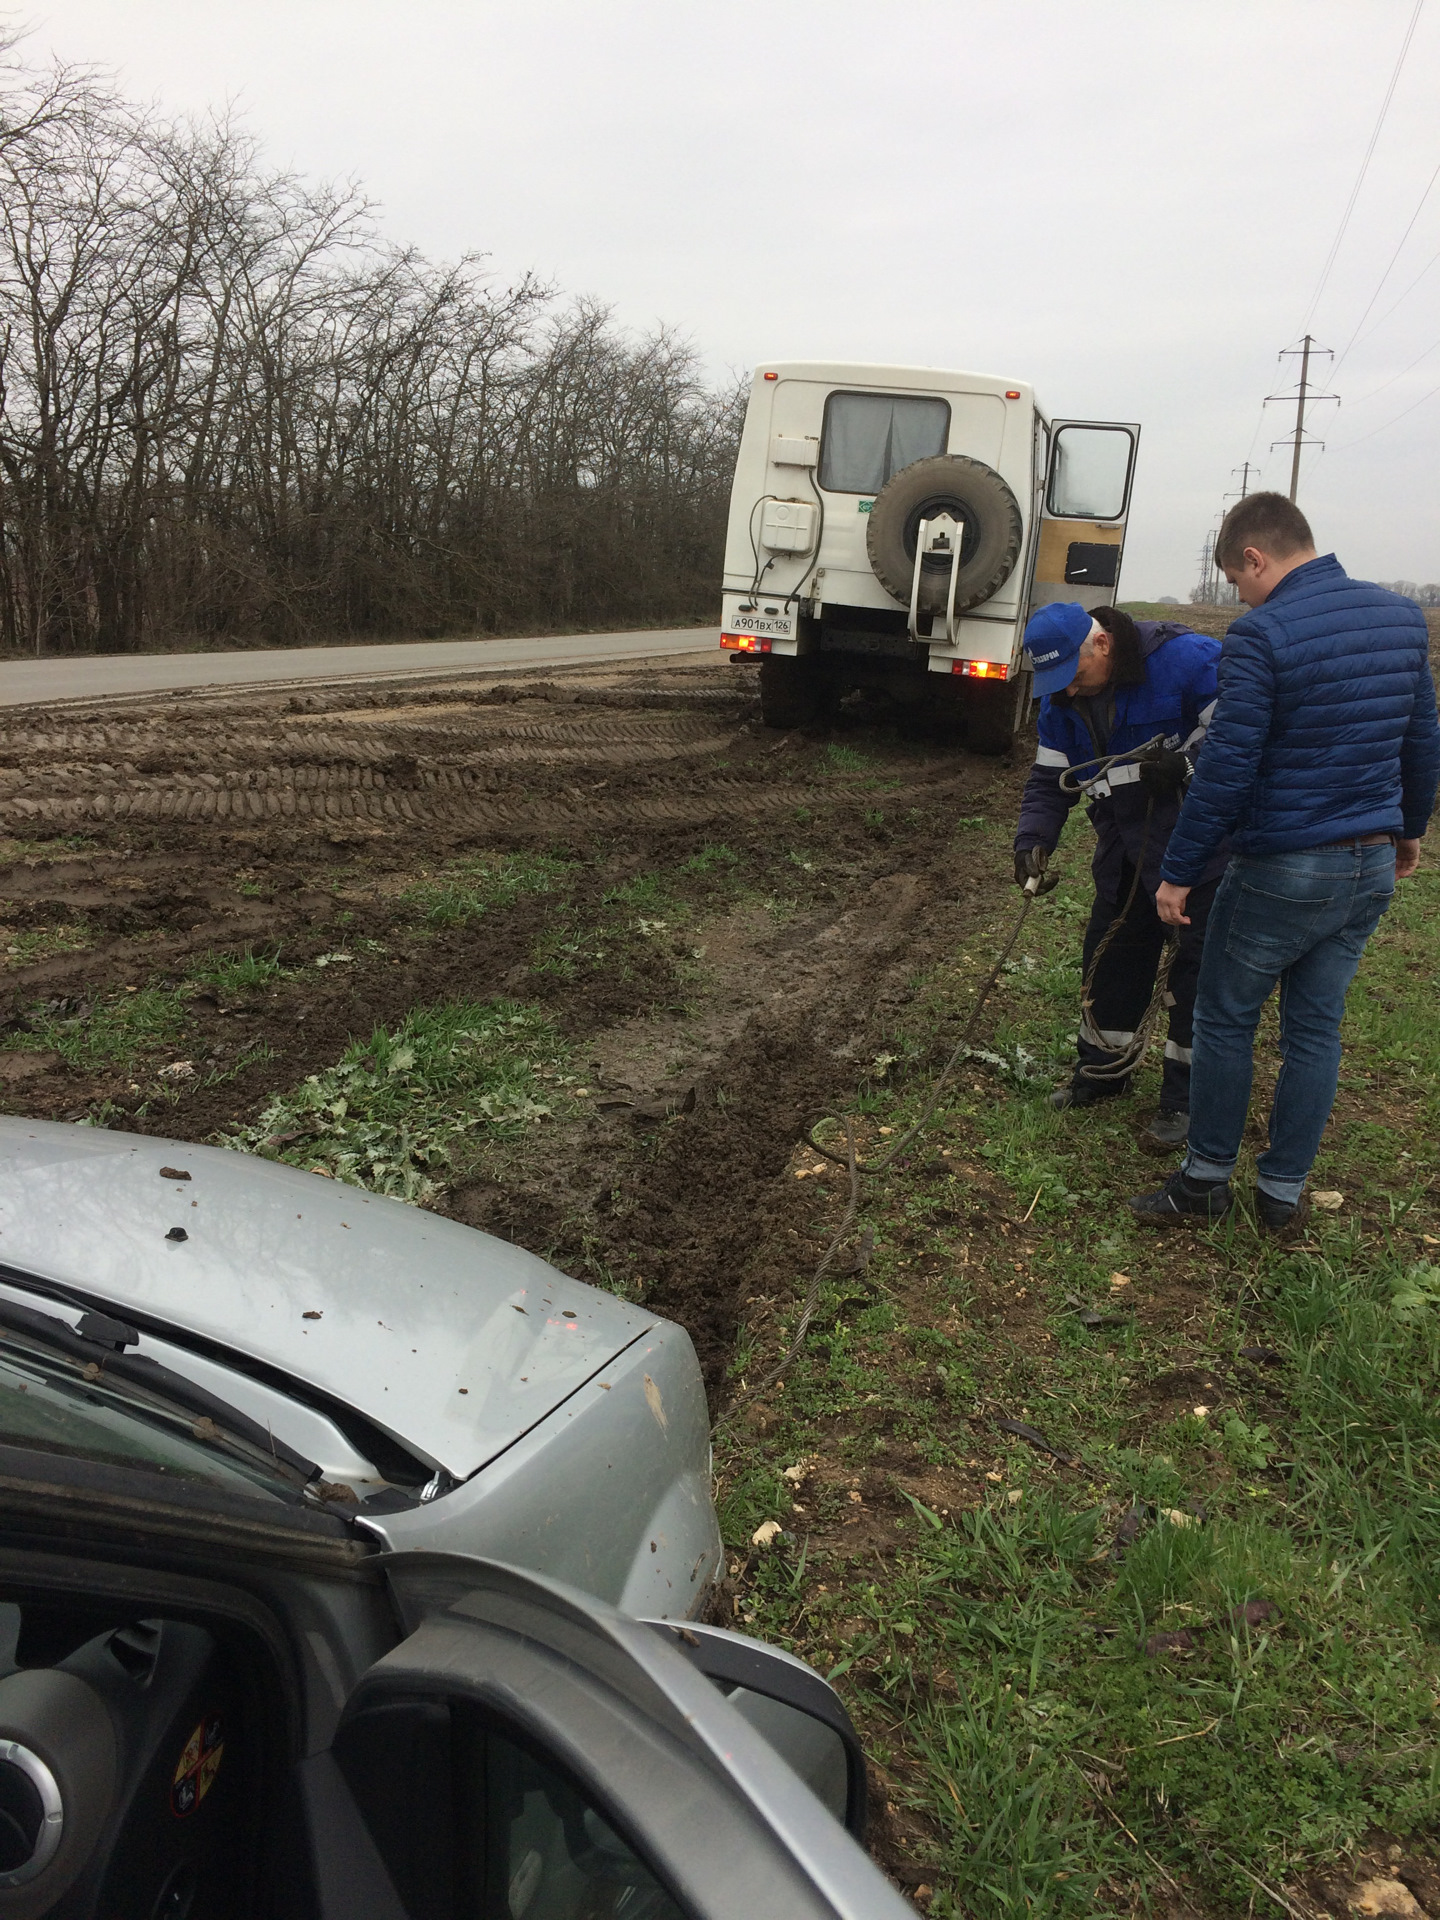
point(55, 1402)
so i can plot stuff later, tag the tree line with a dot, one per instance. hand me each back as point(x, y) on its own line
point(231, 411)
point(1426, 596)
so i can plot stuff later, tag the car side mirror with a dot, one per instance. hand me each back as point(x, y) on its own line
point(789, 1705)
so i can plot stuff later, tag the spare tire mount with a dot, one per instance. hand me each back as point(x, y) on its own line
point(970, 492)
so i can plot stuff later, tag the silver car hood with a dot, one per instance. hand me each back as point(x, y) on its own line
point(453, 1341)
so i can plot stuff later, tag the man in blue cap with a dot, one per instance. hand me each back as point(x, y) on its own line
point(1111, 685)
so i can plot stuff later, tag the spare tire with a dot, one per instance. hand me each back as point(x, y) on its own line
point(970, 491)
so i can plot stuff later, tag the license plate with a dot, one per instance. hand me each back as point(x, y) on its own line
point(764, 626)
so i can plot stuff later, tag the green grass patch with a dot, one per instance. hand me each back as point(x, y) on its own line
point(63, 846)
point(1069, 1723)
point(837, 759)
point(26, 945)
point(235, 975)
point(468, 889)
point(713, 858)
point(119, 1030)
point(395, 1112)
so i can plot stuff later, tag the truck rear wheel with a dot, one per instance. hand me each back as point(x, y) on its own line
point(969, 491)
point(792, 691)
point(996, 712)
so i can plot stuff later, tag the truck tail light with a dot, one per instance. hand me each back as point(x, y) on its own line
point(981, 669)
point(744, 643)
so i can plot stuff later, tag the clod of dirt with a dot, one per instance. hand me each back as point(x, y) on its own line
point(1389, 1897)
point(1254, 1613)
point(1262, 1356)
point(27, 1066)
point(1328, 1202)
point(177, 1233)
point(1182, 1641)
point(1092, 1319)
point(312, 1315)
point(173, 1173)
point(766, 1533)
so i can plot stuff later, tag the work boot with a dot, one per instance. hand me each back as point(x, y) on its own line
point(1087, 1093)
point(1279, 1218)
point(1183, 1202)
point(1166, 1132)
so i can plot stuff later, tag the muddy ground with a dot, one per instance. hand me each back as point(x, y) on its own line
point(147, 836)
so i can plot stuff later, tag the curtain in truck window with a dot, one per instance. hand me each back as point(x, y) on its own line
point(869, 436)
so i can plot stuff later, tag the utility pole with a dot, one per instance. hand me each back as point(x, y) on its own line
point(1298, 440)
point(1207, 570)
point(1244, 473)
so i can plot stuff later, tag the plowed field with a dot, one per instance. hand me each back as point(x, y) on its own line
point(729, 920)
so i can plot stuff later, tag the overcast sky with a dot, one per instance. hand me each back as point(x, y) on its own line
point(1128, 203)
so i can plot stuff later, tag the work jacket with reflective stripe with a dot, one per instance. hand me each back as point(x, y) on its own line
point(1325, 728)
point(1175, 700)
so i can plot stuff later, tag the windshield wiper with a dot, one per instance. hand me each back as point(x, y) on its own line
point(100, 1341)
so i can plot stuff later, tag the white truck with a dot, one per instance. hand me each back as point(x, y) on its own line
point(892, 528)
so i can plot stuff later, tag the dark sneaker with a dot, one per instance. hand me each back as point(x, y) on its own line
point(1279, 1217)
point(1183, 1202)
point(1166, 1132)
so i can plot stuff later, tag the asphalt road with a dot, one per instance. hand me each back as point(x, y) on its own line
point(40, 682)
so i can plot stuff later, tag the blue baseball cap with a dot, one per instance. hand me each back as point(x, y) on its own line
point(1053, 640)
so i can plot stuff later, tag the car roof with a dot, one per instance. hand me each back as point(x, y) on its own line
point(451, 1340)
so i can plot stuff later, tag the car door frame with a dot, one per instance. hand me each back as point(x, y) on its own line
point(310, 1587)
point(1056, 533)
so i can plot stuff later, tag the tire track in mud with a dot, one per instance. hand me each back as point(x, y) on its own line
point(274, 824)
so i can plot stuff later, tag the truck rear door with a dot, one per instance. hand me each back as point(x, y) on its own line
point(1084, 507)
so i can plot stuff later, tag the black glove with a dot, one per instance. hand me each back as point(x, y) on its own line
point(1163, 773)
point(1030, 865)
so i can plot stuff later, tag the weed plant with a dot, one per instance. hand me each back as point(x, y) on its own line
point(393, 1112)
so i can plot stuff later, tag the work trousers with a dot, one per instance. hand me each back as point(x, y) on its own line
point(1124, 982)
point(1301, 919)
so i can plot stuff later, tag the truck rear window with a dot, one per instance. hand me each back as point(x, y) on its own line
point(869, 436)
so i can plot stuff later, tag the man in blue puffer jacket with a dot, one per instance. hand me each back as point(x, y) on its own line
point(1322, 762)
point(1111, 685)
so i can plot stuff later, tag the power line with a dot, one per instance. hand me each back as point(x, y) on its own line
point(1346, 444)
point(1331, 257)
point(1366, 397)
point(1434, 258)
point(1390, 269)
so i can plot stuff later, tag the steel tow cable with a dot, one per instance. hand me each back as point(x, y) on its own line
point(855, 1167)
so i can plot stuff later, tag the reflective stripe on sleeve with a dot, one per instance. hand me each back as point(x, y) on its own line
point(1182, 1054)
point(1051, 757)
point(1124, 775)
point(1111, 1039)
point(1202, 722)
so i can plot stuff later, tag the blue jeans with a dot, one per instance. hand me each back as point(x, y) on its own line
point(1302, 919)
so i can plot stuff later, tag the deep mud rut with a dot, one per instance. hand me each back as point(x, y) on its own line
point(145, 835)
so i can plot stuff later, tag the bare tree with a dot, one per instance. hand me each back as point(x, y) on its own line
point(230, 410)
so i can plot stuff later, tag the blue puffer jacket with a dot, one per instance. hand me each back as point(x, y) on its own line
point(1175, 700)
point(1325, 726)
